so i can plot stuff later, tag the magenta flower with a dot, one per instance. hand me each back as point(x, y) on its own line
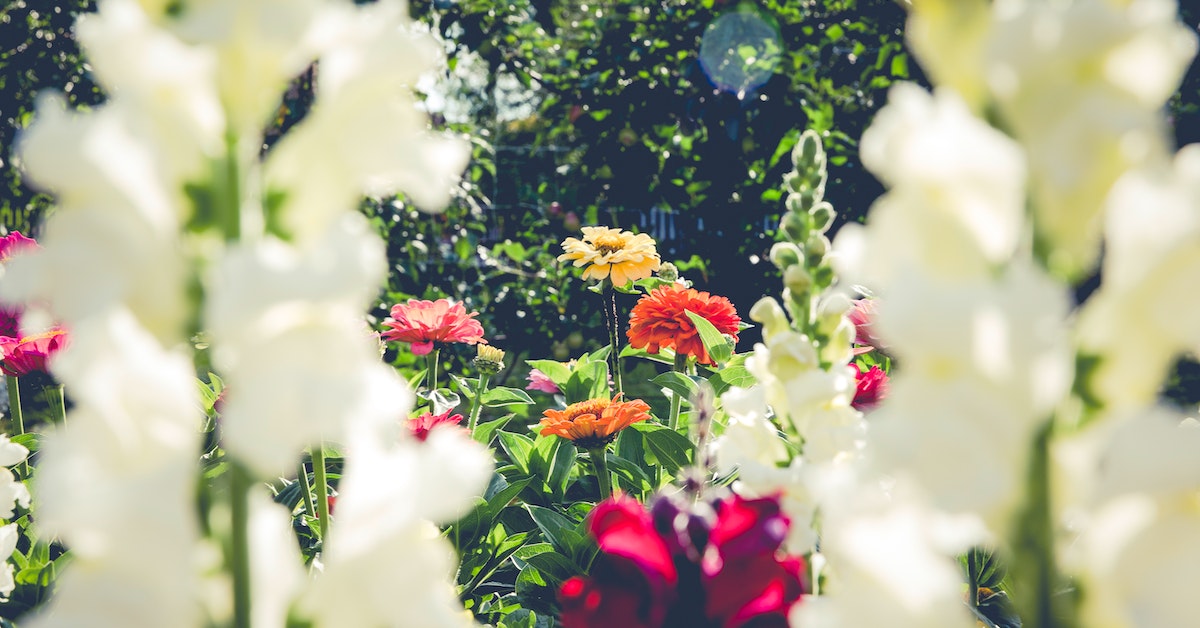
point(14, 243)
point(540, 382)
point(421, 426)
point(863, 313)
point(685, 565)
point(22, 356)
point(872, 387)
point(422, 323)
point(10, 317)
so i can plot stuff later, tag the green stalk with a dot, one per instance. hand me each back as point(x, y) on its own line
point(62, 404)
point(610, 315)
point(239, 493)
point(18, 417)
point(322, 486)
point(477, 402)
point(1037, 580)
point(307, 493)
point(973, 577)
point(681, 365)
point(431, 369)
point(602, 476)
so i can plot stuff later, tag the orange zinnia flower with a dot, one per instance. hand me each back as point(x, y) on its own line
point(594, 423)
point(423, 323)
point(660, 320)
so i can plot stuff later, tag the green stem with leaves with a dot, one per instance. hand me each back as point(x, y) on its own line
point(477, 402)
point(321, 482)
point(610, 317)
point(681, 365)
point(600, 463)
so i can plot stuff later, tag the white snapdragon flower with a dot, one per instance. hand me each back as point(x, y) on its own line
point(365, 132)
point(9, 535)
point(1140, 544)
point(386, 562)
point(12, 492)
point(956, 200)
point(1135, 323)
point(1081, 84)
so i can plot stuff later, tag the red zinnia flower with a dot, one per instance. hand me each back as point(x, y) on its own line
point(423, 323)
point(872, 387)
point(421, 426)
point(660, 320)
point(22, 356)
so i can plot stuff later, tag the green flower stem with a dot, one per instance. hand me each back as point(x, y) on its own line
point(1037, 580)
point(62, 403)
point(309, 511)
point(973, 578)
point(477, 402)
point(602, 476)
point(322, 486)
point(681, 364)
point(239, 493)
point(614, 340)
point(431, 369)
point(17, 416)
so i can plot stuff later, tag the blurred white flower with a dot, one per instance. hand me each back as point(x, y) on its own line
point(11, 453)
point(9, 535)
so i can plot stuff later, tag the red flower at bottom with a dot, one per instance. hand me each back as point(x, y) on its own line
point(685, 567)
point(872, 387)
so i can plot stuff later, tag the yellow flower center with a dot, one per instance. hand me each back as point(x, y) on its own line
point(593, 406)
point(610, 243)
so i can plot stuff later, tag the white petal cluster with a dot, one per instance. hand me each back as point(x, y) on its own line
point(12, 493)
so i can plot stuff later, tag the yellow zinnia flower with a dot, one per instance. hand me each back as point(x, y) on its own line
point(608, 252)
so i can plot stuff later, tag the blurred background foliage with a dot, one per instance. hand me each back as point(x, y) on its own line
point(672, 117)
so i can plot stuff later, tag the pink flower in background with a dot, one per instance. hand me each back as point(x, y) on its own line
point(10, 317)
point(863, 313)
point(14, 243)
point(420, 426)
point(871, 389)
point(540, 382)
point(423, 323)
point(22, 356)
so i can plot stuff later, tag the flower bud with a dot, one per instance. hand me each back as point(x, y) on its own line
point(799, 203)
point(808, 150)
point(797, 279)
point(822, 216)
point(769, 314)
point(816, 248)
point(785, 254)
point(488, 359)
point(795, 226)
point(668, 272)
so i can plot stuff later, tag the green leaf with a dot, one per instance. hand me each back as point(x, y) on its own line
point(677, 383)
point(555, 566)
point(486, 430)
point(586, 381)
point(503, 396)
point(29, 440)
point(556, 528)
point(732, 376)
point(518, 448)
point(632, 473)
point(718, 347)
point(673, 450)
point(629, 352)
point(561, 468)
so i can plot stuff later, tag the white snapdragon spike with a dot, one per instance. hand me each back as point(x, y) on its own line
point(887, 566)
point(956, 201)
point(286, 330)
point(259, 45)
point(364, 132)
point(12, 492)
point(9, 535)
point(387, 564)
point(982, 370)
point(1139, 551)
point(277, 576)
point(131, 526)
point(1081, 84)
point(1133, 324)
point(752, 446)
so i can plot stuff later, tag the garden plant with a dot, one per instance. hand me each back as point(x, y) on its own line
point(273, 357)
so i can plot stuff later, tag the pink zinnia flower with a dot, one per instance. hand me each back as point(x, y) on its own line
point(872, 387)
point(22, 356)
point(423, 323)
point(863, 313)
point(539, 382)
point(14, 243)
point(421, 426)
